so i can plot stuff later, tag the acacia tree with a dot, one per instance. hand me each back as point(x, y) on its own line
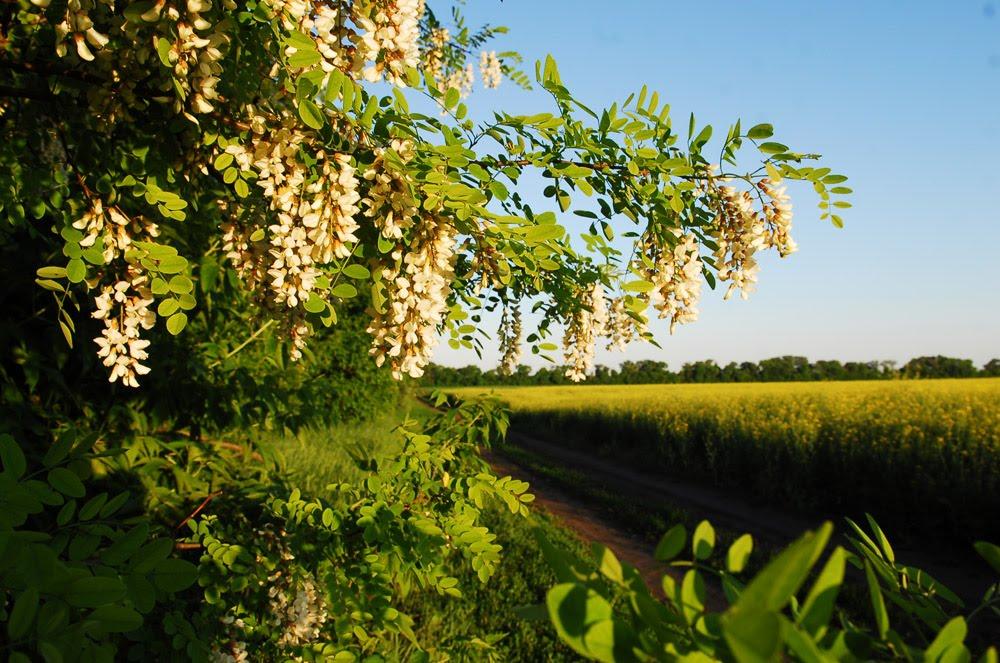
point(165, 159)
point(138, 125)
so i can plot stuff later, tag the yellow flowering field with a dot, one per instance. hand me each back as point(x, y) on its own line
point(923, 455)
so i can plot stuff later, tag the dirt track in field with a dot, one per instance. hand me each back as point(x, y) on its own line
point(727, 509)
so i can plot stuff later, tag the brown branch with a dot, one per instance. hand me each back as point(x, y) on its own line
point(200, 508)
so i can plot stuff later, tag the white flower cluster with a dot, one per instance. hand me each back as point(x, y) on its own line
point(587, 324)
point(313, 221)
point(234, 651)
point(326, 24)
point(510, 340)
point(125, 309)
point(313, 232)
point(778, 213)
point(299, 612)
point(390, 202)
point(418, 284)
point(461, 79)
point(434, 54)
point(739, 232)
point(247, 255)
point(77, 26)
point(314, 216)
point(490, 69)
point(676, 279)
point(389, 39)
point(115, 230)
point(196, 59)
point(622, 327)
point(290, 12)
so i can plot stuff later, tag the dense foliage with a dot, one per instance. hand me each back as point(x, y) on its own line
point(712, 611)
point(922, 456)
point(775, 369)
point(200, 199)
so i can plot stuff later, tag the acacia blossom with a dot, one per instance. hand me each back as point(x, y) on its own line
point(585, 325)
point(125, 308)
point(675, 272)
point(418, 284)
point(510, 340)
point(389, 39)
point(490, 69)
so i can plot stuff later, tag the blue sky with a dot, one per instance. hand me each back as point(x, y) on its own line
point(902, 97)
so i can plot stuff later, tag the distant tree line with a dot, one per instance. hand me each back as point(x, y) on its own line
point(777, 369)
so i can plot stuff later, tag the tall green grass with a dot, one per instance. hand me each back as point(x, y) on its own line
point(322, 456)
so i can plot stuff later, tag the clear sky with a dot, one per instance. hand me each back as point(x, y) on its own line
point(902, 97)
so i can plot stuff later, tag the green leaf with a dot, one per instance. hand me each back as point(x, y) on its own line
point(167, 308)
point(91, 591)
point(304, 58)
point(692, 596)
point(59, 449)
point(703, 540)
point(23, 613)
point(638, 286)
point(760, 132)
point(173, 575)
point(344, 291)
point(93, 506)
point(877, 601)
point(989, 552)
point(66, 482)
point(818, 607)
point(753, 636)
point(952, 634)
point(544, 232)
point(609, 640)
point(163, 50)
point(116, 618)
point(314, 304)
point(176, 323)
point(151, 554)
point(739, 554)
point(772, 588)
point(49, 284)
point(14, 462)
point(772, 148)
point(608, 564)
point(172, 264)
point(223, 160)
point(311, 114)
point(499, 190)
point(451, 97)
point(356, 271)
point(572, 609)
point(76, 270)
point(671, 543)
point(51, 273)
point(181, 284)
point(126, 545)
point(703, 136)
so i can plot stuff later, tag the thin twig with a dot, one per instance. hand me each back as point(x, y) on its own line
point(201, 506)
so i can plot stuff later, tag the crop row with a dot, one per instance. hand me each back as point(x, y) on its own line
point(923, 456)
